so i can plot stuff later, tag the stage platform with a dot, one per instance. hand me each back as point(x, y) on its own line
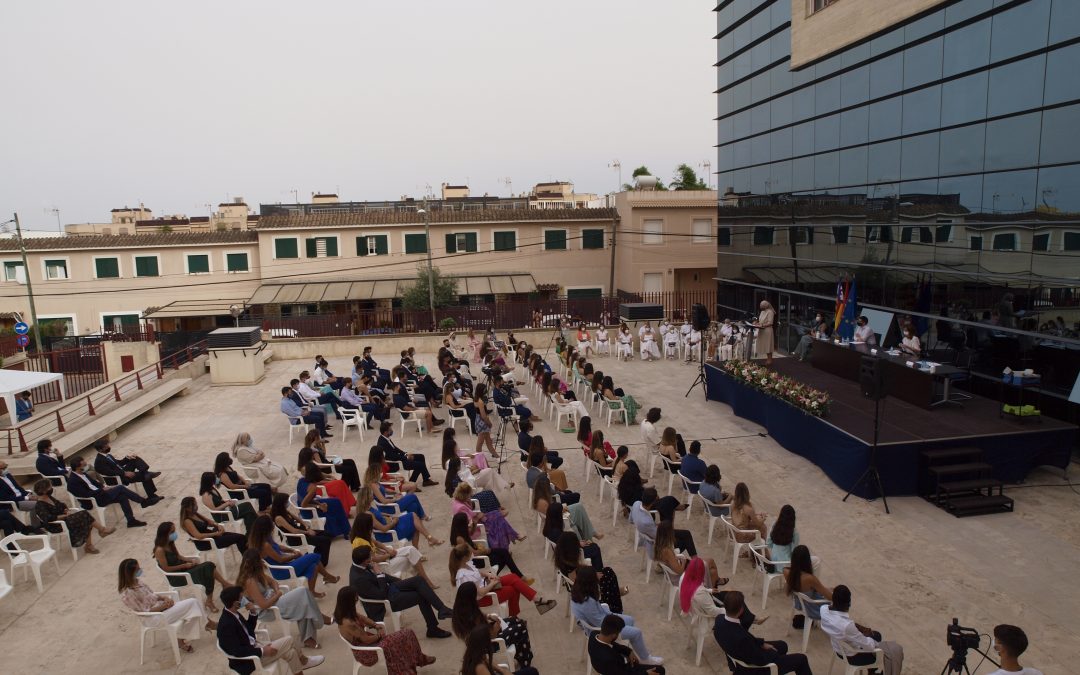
point(840, 443)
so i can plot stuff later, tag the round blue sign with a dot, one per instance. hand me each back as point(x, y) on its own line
point(21, 328)
point(23, 340)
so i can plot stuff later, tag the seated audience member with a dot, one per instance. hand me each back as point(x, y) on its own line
point(486, 480)
point(212, 499)
point(497, 547)
point(508, 588)
point(570, 554)
point(525, 438)
point(231, 480)
point(304, 565)
point(618, 467)
point(864, 333)
point(710, 490)
point(401, 649)
point(479, 653)
point(1009, 643)
point(407, 526)
point(612, 394)
point(450, 448)
point(325, 395)
point(285, 521)
point(543, 498)
point(80, 484)
point(270, 472)
point(468, 616)
point(129, 469)
point(503, 395)
point(317, 410)
point(819, 331)
point(405, 405)
point(290, 408)
point(200, 529)
point(631, 485)
point(297, 605)
point(665, 553)
point(568, 400)
point(697, 595)
point(139, 598)
point(538, 467)
point(402, 594)
point(736, 641)
point(586, 608)
point(671, 447)
point(414, 462)
point(332, 508)
point(342, 466)
point(799, 577)
point(554, 529)
point(608, 657)
point(50, 462)
point(236, 637)
point(692, 466)
point(744, 517)
point(24, 406)
point(847, 636)
point(351, 400)
point(650, 435)
point(9, 524)
point(11, 491)
point(585, 437)
point(598, 453)
point(80, 524)
point(168, 558)
point(783, 538)
point(642, 519)
point(396, 560)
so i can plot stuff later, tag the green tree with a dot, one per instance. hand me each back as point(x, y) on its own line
point(416, 296)
point(643, 171)
point(687, 179)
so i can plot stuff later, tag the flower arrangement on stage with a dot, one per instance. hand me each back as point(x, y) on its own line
point(806, 398)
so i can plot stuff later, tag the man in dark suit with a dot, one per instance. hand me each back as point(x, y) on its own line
point(11, 491)
point(736, 641)
point(295, 397)
point(415, 463)
point(130, 469)
point(236, 637)
point(79, 484)
point(49, 460)
point(402, 593)
point(608, 657)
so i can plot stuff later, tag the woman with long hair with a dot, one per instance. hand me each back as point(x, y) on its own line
point(332, 509)
point(398, 561)
point(344, 467)
point(482, 424)
point(554, 529)
point(212, 499)
point(336, 488)
point(169, 559)
point(80, 524)
point(467, 616)
point(478, 654)
point(140, 598)
point(450, 448)
point(618, 467)
point(631, 485)
point(669, 447)
point(499, 533)
point(611, 394)
point(626, 342)
point(783, 538)
point(710, 490)
point(586, 608)
point(484, 480)
point(696, 596)
point(306, 565)
point(401, 649)
point(285, 521)
point(664, 553)
point(231, 480)
point(407, 526)
point(743, 515)
point(799, 577)
point(263, 591)
point(508, 588)
point(599, 453)
point(377, 456)
point(567, 400)
point(200, 528)
point(579, 517)
point(570, 554)
point(406, 502)
point(244, 451)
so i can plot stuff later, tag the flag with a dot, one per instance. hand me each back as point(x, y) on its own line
point(842, 287)
point(851, 313)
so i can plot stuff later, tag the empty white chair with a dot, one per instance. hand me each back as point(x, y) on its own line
point(29, 559)
point(352, 418)
point(736, 545)
point(380, 665)
point(877, 664)
point(154, 623)
point(761, 566)
point(459, 415)
point(298, 424)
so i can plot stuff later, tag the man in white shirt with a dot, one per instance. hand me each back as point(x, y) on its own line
point(1009, 643)
point(313, 397)
point(864, 333)
point(847, 636)
point(693, 345)
point(650, 434)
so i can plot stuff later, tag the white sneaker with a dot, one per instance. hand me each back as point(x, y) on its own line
point(652, 661)
point(316, 660)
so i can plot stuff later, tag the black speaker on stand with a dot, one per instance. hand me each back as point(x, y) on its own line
point(699, 319)
point(873, 385)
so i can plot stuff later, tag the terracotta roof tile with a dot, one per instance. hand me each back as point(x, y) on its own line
point(294, 220)
point(108, 241)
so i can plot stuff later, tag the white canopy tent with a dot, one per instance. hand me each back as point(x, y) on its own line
point(15, 381)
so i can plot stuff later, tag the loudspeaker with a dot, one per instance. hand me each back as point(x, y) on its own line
point(699, 317)
point(872, 378)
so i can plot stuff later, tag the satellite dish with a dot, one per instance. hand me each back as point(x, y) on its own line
point(236, 310)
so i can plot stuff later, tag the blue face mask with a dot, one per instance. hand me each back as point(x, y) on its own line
point(138, 573)
point(217, 481)
point(173, 536)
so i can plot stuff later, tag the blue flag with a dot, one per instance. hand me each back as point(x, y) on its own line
point(851, 313)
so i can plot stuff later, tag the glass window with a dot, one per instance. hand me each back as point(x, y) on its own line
point(741, 124)
point(803, 103)
point(854, 126)
point(841, 233)
point(759, 116)
point(1064, 20)
point(922, 110)
point(653, 231)
point(886, 75)
point(969, 189)
point(967, 48)
point(962, 11)
point(1009, 191)
point(321, 247)
point(943, 234)
point(883, 164)
point(507, 241)
point(13, 270)
point(853, 166)
point(723, 236)
point(763, 235)
point(286, 248)
point(1016, 86)
point(924, 26)
point(198, 264)
point(372, 244)
point(780, 176)
point(885, 119)
point(1041, 242)
point(759, 179)
point(1004, 241)
point(802, 235)
point(1057, 189)
point(725, 158)
point(922, 63)
point(106, 268)
point(962, 149)
point(1060, 141)
point(802, 174)
point(740, 96)
point(701, 231)
point(742, 153)
point(554, 240)
point(826, 171)
point(236, 262)
point(465, 242)
point(780, 110)
point(827, 133)
point(1062, 75)
point(1013, 142)
point(803, 143)
point(1071, 241)
point(919, 156)
point(759, 149)
point(887, 42)
point(742, 65)
point(590, 238)
point(827, 97)
point(855, 86)
point(56, 269)
point(417, 243)
point(146, 266)
point(1020, 29)
point(780, 144)
point(964, 100)
point(975, 242)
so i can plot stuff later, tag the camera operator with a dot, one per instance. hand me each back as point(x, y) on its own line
point(847, 636)
point(1009, 643)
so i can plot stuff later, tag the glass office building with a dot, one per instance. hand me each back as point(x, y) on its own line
point(928, 149)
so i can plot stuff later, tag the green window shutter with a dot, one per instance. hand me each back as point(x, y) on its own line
point(592, 239)
point(311, 247)
point(976, 243)
point(905, 235)
point(1040, 242)
point(555, 240)
point(146, 266)
point(197, 264)
point(286, 248)
point(236, 262)
point(763, 236)
point(723, 236)
point(1071, 241)
point(107, 268)
point(505, 241)
point(944, 233)
point(839, 233)
point(382, 245)
point(470, 242)
point(579, 293)
point(451, 243)
point(331, 247)
point(361, 246)
point(415, 243)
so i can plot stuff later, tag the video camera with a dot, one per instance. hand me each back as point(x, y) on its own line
point(960, 638)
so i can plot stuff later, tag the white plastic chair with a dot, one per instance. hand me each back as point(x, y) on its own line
point(63, 538)
point(5, 587)
point(101, 513)
point(459, 415)
point(637, 533)
point(689, 494)
point(22, 516)
point(226, 519)
point(395, 616)
point(761, 566)
point(29, 559)
point(561, 411)
point(616, 408)
point(298, 424)
point(379, 667)
point(700, 629)
point(411, 418)
point(802, 601)
point(668, 465)
point(672, 589)
point(189, 587)
point(277, 667)
point(771, 668)
point(603, 348)
point(709, 508)
point(154, 623)
point(648, 551)
point(212, 549)
point(736, 545)
point(351, 418)
point(309, 514)
point(251, 473)
point(878, 663)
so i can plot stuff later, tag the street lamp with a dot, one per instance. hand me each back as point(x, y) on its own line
point(26, 273)
point(431, 270)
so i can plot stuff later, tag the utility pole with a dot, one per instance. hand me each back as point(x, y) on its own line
point(431, 269)
point(611, 274)
point(29, 285)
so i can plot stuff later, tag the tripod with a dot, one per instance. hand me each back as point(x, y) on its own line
point(872, 470)
point(957, 663)
point(500, 441)
point(700, 379)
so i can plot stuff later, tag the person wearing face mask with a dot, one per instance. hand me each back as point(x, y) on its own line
point(412, 462)
point(129, 469)
point(1010, 642)
point(847, 636)
point(11, 491)
point(49, 460)
point(236, 637)
point(138, 597)
point(819, 331)
point(80, 484)
point(80, 524)
point(864, 333)
point(910, 345)
point(170, 560)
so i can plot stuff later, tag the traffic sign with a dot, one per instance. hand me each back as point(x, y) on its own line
point(23, 340)
point(21, 328)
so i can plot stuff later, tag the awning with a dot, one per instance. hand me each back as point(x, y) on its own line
point(15, 381)
point(381, 289)
point(183, 308)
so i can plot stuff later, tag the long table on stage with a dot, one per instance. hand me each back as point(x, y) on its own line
point(914, 384)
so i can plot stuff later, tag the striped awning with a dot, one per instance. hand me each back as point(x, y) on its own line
point(383, 289)
point(187, 308)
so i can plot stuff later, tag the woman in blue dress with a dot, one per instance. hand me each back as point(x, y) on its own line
point(306, 565)
point(337, 521)
point(407, 526)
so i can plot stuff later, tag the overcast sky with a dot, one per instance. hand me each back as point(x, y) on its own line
point(180, 105)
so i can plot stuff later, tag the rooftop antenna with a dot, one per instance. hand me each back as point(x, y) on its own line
point(56, 212)
point(617, 165)
point(509, 185)
point(707, 165)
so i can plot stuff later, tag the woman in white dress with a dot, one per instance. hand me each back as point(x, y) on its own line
point(602, 345)
point(766, 325)
point(271, 472)
point(626, 343)
point(584, 342)
point(671, 343)
point(649, 350)
point(138, 597)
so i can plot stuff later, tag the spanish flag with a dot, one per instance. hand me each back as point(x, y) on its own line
point(844, 320)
